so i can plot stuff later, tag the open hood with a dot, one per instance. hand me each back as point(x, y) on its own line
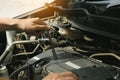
point(13, 8)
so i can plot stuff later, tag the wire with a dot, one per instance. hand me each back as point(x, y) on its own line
point(31, 62)
point(52, 46)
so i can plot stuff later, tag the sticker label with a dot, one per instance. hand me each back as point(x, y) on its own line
point(72, 65)
point(36, 58)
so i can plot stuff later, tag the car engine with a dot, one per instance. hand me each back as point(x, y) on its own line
point(84, 39)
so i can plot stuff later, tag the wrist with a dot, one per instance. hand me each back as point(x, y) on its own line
point(14, 23)
point(8, 24)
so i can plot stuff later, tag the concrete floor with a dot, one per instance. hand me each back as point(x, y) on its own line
point(13, 8)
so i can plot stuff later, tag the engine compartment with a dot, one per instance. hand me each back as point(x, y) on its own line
point(75, 43)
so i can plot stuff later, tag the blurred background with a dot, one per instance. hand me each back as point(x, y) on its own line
point(13, 8)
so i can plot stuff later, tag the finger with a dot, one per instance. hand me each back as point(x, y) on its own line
point(42, 27)
point(68, 74)
point(38, 21)
point(67, 78)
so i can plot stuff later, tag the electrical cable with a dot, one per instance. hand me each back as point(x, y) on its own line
point(31, 62)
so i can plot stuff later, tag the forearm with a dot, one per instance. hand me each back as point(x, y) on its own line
point(8, 24)
point(20, 25)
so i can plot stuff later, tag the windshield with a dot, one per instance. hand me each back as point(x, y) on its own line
point(12, 8)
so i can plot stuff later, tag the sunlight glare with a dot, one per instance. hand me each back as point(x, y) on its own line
point(12, 8)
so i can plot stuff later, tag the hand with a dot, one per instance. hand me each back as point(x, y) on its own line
point(61, 76)
point(1, 78)
point(31, 25)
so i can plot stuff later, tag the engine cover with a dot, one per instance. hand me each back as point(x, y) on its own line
point(85, 68)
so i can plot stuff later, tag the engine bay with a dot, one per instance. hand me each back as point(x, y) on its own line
point(81, 40)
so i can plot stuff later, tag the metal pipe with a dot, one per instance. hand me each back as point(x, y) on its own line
point(5, 53)
point(106, 54)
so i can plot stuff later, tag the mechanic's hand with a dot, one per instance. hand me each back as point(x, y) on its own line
point(31, 25)
point(61, 76)
point(1, 78)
